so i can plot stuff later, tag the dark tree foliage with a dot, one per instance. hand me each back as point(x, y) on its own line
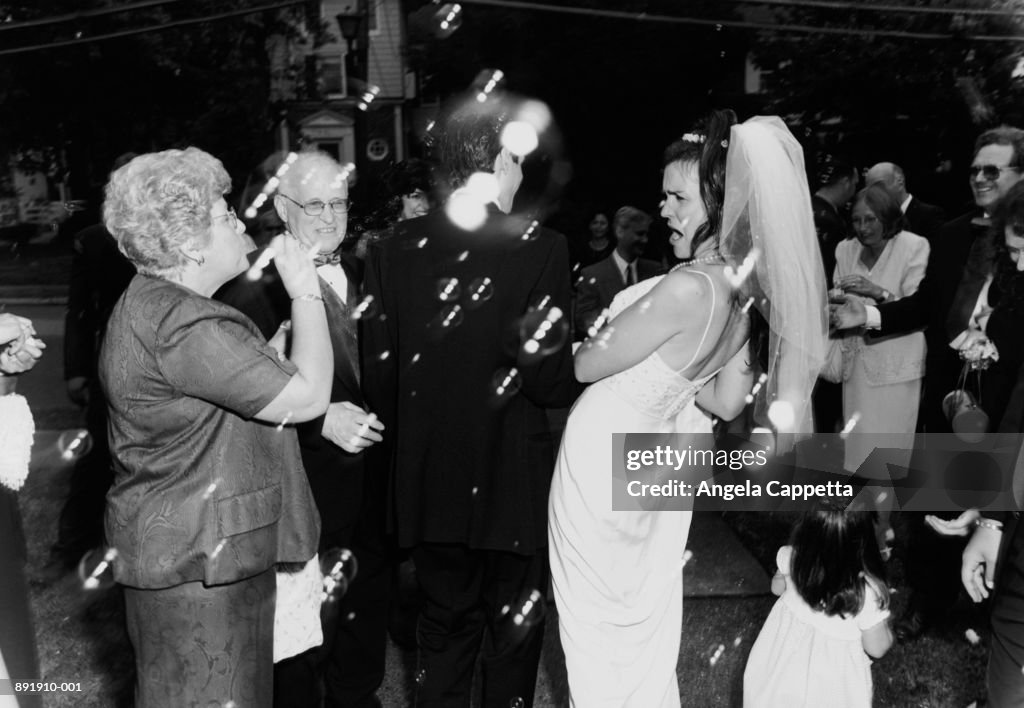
point(201, 84)
point(918, 102)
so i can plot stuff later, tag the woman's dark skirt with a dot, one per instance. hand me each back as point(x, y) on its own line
point(204, 646)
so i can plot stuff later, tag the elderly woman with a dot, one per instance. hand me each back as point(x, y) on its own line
point(881, 377)
point(209, 491)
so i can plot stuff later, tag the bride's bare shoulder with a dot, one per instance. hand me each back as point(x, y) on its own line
point(690, 286)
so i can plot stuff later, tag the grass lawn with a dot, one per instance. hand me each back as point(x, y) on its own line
point(81, 634)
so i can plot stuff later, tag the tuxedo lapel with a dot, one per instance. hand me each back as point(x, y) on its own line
point(342, 329)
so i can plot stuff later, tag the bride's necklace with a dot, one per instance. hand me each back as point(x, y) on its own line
point(713, 258)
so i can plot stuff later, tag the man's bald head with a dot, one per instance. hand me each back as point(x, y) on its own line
point(890, 176)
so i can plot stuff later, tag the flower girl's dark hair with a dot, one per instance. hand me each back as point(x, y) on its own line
point(835, 555)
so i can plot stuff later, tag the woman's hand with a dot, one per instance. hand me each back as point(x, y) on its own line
point(960, 526)
point(860, 285)
point(21, 354)
point(295, 266)
point(12, 327)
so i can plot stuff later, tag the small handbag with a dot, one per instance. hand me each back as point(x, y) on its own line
point(965, 415)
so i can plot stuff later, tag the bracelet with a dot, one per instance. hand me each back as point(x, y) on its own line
point(309, 297)
point(989, 524)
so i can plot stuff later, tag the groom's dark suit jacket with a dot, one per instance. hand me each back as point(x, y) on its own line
point(461, 398)
point(335, 476)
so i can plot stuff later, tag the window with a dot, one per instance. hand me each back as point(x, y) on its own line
point(332, 75)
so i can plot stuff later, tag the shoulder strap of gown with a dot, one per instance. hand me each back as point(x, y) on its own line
point(707, 326)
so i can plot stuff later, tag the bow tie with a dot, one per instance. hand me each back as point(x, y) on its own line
point(327, 259)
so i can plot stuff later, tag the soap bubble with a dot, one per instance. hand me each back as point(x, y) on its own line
point(95, 570)
point(74, 444)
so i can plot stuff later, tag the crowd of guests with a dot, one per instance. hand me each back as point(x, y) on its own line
point(385, 392)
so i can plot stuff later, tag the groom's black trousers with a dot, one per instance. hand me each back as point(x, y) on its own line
point(464, 593)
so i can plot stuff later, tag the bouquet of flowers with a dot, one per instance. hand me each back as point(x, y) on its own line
point(979, 353)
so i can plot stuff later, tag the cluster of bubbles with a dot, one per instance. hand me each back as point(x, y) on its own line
point(73, 444)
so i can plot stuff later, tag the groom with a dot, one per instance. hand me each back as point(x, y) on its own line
point(461, 392)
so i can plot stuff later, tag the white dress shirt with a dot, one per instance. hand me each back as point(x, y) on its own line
point(335, 276)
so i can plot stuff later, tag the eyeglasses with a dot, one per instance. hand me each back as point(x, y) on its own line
point(990, 172)
point(231, 216)
point(316, 207)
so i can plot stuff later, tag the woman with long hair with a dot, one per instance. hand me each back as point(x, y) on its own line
point(674, 355)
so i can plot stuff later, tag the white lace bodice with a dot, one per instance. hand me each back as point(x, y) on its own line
point(651, 386)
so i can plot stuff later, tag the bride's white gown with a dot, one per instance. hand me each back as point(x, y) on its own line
point(617, 575)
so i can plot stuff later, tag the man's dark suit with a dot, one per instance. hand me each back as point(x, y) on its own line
point(463, 403)
point(598, 286)
point(924, 219)
point(350, 502)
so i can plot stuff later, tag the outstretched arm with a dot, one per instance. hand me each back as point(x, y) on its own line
point(639, 330)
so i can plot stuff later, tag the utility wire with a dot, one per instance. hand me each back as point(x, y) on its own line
point(781, 27)
point(58, 19)
point(154, 28)
point(916, 9)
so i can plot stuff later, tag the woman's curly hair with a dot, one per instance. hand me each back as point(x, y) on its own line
point(160, 202)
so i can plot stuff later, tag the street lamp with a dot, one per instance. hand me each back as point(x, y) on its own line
point(350, 23)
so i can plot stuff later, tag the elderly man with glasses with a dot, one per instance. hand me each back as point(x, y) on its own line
point(312, 201)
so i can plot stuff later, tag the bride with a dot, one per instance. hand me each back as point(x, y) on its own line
point(675, 354)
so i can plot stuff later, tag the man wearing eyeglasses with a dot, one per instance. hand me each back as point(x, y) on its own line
point(312, 201)
point(950, 301)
